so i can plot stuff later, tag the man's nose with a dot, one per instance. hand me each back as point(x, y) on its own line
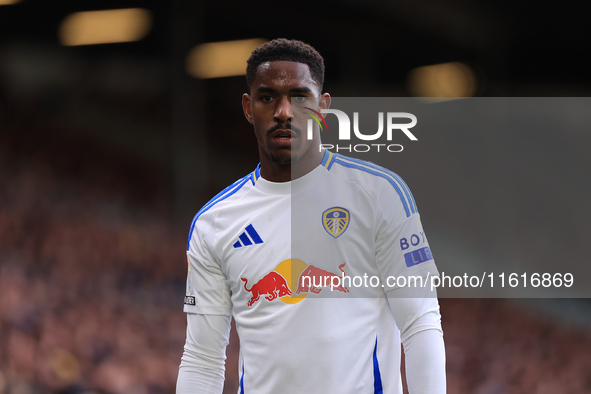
point(283, 110)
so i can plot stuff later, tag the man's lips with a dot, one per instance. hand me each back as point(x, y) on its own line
point(284, 133)
point(283, 136)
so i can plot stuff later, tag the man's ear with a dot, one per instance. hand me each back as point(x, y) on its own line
point(324, 101)
point(246, 107)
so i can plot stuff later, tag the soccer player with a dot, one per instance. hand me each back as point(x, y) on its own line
point(278, 250)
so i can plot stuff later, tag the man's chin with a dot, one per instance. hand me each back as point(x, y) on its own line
point(283, 160)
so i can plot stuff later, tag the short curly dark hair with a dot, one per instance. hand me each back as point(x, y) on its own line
point(286, 50)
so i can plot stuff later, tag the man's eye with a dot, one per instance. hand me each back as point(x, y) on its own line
point(266, 99)
point(300, 99)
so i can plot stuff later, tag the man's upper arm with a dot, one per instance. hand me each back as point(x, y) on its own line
point(405, 262)
point(402, 249)
point(207, 289)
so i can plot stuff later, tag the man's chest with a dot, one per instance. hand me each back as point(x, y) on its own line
point(286, 248)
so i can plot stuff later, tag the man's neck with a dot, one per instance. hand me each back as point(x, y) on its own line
point(275, 172)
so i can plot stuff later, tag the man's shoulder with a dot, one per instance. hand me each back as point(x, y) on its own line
point(363, 170)
point(374, 179)
point(229, 194)
point(226, 197)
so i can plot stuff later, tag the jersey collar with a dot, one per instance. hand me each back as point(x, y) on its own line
point(327, 162)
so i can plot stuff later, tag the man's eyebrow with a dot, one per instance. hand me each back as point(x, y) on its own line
point(301, 90)
point(264, 89)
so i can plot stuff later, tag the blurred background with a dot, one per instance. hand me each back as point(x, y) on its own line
point(120, 119)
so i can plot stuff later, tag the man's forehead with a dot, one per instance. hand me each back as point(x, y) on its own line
point(283, 73)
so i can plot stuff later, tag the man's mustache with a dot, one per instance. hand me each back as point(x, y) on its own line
point(285, 126)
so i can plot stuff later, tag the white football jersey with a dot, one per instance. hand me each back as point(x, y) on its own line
point(268, 254)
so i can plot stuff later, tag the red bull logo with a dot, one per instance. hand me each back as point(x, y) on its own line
point(272, 284)
point(292, 274)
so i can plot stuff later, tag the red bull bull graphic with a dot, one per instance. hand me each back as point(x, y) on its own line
point(292, 274)
point(272, 284)
point(278, 283)
point(314, 279)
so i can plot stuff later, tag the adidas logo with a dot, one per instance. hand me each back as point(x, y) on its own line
point(248, 237)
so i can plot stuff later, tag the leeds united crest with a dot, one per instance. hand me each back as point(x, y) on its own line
point(335, 221)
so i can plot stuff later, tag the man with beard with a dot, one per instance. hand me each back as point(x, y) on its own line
point(258, 250)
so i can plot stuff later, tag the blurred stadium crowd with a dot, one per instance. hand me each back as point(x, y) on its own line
point(90, 274)
point(92, 279)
